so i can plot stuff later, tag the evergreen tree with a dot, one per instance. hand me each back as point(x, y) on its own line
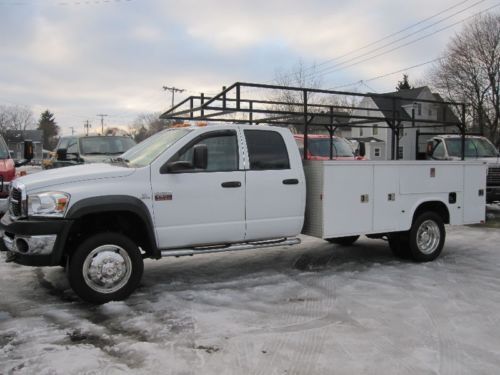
point(48, 124)
point(404, 84)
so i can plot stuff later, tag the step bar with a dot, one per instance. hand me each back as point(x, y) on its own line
point(236, 247)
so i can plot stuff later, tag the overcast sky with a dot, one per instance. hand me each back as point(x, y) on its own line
point(81, 58)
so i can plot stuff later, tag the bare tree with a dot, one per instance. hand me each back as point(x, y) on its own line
point(147, 124)
point(470, 72)
point(15, 118)
point(301, 76)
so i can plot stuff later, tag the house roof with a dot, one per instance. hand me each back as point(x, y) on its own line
point(407, 97)
point(22, 135)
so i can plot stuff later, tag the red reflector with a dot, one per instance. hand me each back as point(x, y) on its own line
point(482, 222)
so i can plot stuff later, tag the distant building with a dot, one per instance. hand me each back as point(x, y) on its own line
point(15, 141)
point(407, 102)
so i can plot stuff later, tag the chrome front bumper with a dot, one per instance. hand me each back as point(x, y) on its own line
point(29, 245)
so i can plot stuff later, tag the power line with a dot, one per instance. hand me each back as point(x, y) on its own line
point(383, 38)
point(339, 65)
point(333, 70)
point(67, 2)
point(386, 74)
point(102, 115)
point(87, 126)
point(397, 32)
point(173, 90)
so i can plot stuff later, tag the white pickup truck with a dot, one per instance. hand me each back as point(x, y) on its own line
point(197, 190)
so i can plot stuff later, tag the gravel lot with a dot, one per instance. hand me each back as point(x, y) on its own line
point(311, 309)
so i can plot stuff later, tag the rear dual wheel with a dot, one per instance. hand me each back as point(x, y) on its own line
point(423, 242)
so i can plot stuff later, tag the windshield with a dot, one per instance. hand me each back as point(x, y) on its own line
point(4, 151)
point(148, 150)
point(107, 145)
point(321, 147)
point(474, 148)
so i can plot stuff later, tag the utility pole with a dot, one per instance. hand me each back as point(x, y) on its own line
point(86, 126)
point(102, 122)
point(72, 130)
point(173, 90)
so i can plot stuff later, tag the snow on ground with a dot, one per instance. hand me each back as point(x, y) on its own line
point(311, 309)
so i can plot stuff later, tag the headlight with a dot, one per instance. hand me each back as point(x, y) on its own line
point(52, 204)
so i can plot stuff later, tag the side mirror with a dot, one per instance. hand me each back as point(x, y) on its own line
point(200, 156)
point(176, 167)
point(62, 154)
point(28, 150)
point(362, 149)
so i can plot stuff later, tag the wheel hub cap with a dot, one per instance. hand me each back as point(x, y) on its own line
point(428, 237)
point(107, 268)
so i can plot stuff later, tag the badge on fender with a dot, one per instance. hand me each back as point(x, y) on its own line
point(163, 196)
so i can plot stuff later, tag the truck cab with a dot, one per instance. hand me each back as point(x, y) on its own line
point(478, 148)
point(81, 149)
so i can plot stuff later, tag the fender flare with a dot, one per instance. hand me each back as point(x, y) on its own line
point(110, 203)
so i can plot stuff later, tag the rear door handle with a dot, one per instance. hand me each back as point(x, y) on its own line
point(290, 181)
point(231, 184)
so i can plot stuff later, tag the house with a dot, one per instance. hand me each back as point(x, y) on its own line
point(15, 141)
point(412, 109)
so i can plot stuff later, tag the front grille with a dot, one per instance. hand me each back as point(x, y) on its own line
point(16, 202)
point(493, 176)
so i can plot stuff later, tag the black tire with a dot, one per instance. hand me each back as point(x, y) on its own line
point(344, 241)
point(399, 244)
point(101, 259)
point(426, 237)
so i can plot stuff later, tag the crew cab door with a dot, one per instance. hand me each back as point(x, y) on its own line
point(275, 185)
point(201, 206)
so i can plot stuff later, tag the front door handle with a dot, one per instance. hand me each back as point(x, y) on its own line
point(290, 181)
point(231, 184)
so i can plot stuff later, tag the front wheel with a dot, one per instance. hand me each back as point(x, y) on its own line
point(344, 241)
point(105, 267)
point(426, 237)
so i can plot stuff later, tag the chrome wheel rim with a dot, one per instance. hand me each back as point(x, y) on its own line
point(428, 237)
point(107, 269)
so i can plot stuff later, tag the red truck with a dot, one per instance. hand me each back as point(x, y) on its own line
point(320, 145)
point(8, 170)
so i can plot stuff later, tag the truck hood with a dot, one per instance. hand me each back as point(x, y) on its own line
point(73, 174)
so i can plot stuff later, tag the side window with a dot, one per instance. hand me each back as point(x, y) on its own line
point(267, 150)
point(438, 151)
point(63, 143)
point(222, 153)
point(72, 145)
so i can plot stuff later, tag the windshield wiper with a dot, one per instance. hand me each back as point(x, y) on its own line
point(119, 160)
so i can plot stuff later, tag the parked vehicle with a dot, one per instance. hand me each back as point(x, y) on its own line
point(320, 146)
point(199, 190)
point(72, 150)
point(449, 147)
point(8, 170)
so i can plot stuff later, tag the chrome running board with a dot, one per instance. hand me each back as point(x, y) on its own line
point(236, 247)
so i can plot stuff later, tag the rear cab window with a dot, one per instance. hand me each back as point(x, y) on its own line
point(266, 150)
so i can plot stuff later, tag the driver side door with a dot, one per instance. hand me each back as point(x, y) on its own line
point(201, 207)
